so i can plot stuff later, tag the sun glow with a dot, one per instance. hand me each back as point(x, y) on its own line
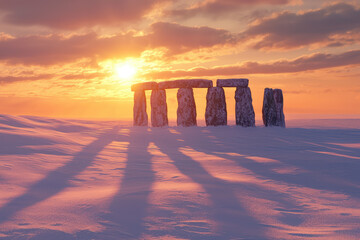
point(125, 71)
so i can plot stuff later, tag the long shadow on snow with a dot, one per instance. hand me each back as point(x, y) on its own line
point(204, 137)
point(324, 172)
point(14, 144)
point(206, 142)
point(58, 179)
point(232, 219)
point(128, 207)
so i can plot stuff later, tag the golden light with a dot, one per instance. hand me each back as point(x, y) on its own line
point(125, 71)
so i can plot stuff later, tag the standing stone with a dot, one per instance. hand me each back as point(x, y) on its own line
point(159, 116)
point(269, 108)
point(273, 113)
point(186, 112)
point(140, 115)
point(215, 114)
point(245, 115)
point(279, 105)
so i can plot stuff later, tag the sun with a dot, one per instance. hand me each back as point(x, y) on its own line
point(125, 71)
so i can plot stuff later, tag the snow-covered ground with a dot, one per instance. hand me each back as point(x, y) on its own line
point(74, 179)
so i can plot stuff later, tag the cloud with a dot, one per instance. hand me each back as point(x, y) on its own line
point(57, 49)
point(305, 63)
point(12, 79)
point(333, 25)
point(70, 14)
point(85, 76)
point(180, 39)
point(221, 7)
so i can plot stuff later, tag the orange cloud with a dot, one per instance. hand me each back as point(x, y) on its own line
point(221, 7)
point(331, 25)
point(69, 14)
point(12, 79)
point(57, 49)
point(85, 76)
point(180, 39)
point(305, 63)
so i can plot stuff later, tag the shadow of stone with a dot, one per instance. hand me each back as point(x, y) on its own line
point(232, 219)
point(57, 180)
point(128, 207)
point(333, 173)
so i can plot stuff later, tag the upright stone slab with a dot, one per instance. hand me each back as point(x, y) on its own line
point(186, 112)
point(245, 115)
point(279, 105)
point(159, 116)
point(215, 114)
point(269, 108)
point(140, 115)
point(273, 113)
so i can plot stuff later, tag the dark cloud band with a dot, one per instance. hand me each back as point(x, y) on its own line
point(70, 14)
point(305, 63)
point(57, 49)
point(333, 25)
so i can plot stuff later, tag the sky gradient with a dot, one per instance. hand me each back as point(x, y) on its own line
point(66, 58)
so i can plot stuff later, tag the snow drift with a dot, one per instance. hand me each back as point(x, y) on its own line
point(74, 179)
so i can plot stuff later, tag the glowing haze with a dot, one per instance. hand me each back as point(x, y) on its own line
point(78, 58)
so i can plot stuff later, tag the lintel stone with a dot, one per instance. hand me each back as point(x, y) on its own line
point(186, 83)
point(144, 86)
point(233, 82)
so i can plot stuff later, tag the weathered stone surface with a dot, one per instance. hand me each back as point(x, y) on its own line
point(269, 108)
point(140, 115)
point(186, 83)
point(215, 114)
point(144, 86)
point(279, 103)
point(186, 112)
point(159, 116)
point(273, 114)
point(245, 115)
point(232, 82)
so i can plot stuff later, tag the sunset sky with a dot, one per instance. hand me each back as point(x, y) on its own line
point(78, 58)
